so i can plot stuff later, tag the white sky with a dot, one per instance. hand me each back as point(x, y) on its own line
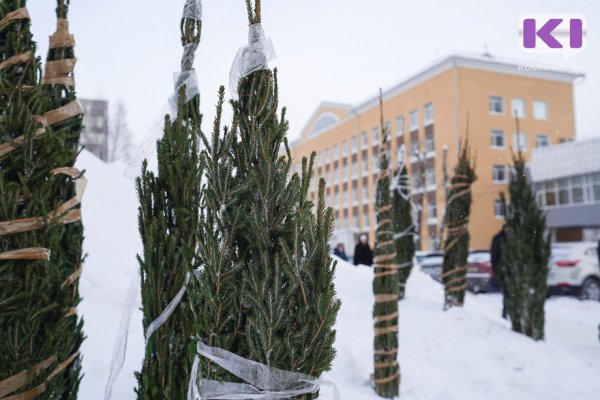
point(334, 50)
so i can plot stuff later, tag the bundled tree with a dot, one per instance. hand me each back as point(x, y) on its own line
point(40, 250)
point(385, 284)
point(267, 277)
point(168, 224)
point(524, 262)
point(456, 244)
point(404, 227)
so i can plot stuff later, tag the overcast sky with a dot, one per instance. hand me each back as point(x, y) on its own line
point(334, 50)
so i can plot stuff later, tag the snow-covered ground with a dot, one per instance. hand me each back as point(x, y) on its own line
point(465, 354)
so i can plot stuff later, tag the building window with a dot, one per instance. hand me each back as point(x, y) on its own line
point(429, 115)
point(344, 148)
point(429, 144)
point(540, 110)
point(375, 165)
point(430, 176)
point(517, 108)
point(414, 120)
point(496, 105)
point(355, 221)
point(365, 193)
point(326, 156)
point(336, 152)
point(365, 221)
point(520, 141)
point(388, 129)
point(498, 139)
point(499, 174)
point(345, 197)
point(365, 140)
point(345, 173)
point(499, 209)
point(416, 181)
point(414, 147)
point(432, 209)
point(542, 141)
point(354, 144)
point(375, 136)
point(346, 222)
point(355, 194)
point(365, 165)
point(355, 169)
point(400, 126)
point(336, 200)
point(336, 176)
point(318, 160)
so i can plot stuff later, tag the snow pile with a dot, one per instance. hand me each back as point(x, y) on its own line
point(465, 354)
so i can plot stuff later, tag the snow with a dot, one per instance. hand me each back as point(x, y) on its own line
point(467, 353)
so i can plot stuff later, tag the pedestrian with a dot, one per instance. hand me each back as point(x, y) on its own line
point(340, 252)
point(363, 255)
point(498, 242)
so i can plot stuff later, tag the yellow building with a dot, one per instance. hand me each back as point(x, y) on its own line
point(426, 113)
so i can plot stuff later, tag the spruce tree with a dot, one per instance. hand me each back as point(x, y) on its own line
point(168, 224)
point(524, 262)
point(385, 284)
point(40, 252)
point(267, 277)
point(404, 227)
point(456, 244)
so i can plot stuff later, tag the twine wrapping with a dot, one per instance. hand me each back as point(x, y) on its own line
point(19, 380)
point(65, 212)
point(11, 17)
point(32, 253)
point(19, 58)
point(38, 390)
point(62, 38)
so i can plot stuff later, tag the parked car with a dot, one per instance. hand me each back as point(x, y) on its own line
point(574, 270)
point(419, 257)
point(432, 265)
point(479, 271)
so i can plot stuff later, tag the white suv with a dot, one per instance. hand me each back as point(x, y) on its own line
point(574, 270)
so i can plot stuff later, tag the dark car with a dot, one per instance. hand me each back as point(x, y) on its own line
point(479, 271)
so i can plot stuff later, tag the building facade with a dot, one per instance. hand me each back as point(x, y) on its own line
point(567, 182)
point(433, 110)
point(95, 130)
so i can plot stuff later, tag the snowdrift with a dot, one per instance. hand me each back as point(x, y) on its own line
point(468, 353)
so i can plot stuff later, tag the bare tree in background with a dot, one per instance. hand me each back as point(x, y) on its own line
point(119, 135)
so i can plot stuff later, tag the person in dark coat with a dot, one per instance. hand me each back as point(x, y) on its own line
point(363, 255)
point(340, 251)
point(498, 242)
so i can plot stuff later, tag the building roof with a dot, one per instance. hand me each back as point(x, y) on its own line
point(565, 159)
point(463, 60)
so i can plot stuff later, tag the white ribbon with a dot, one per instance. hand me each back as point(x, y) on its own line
point(120, 347)
point(251, 58)
point(262, 381)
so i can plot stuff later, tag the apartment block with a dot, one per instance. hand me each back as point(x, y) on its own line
point(432, 111)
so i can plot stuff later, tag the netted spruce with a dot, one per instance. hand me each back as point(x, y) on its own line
point(456, 243)
point(403, 227)
point(267, 280)
point(168, 224)
point(386, 377)
point(40, 219)
point(524, 260)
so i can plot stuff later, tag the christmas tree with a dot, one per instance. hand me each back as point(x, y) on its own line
point(267, 268)
point(456, 244)
point(403, 227)
point(168, 224)
point(40, 222)
point(524, 262)
point(385, 285)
